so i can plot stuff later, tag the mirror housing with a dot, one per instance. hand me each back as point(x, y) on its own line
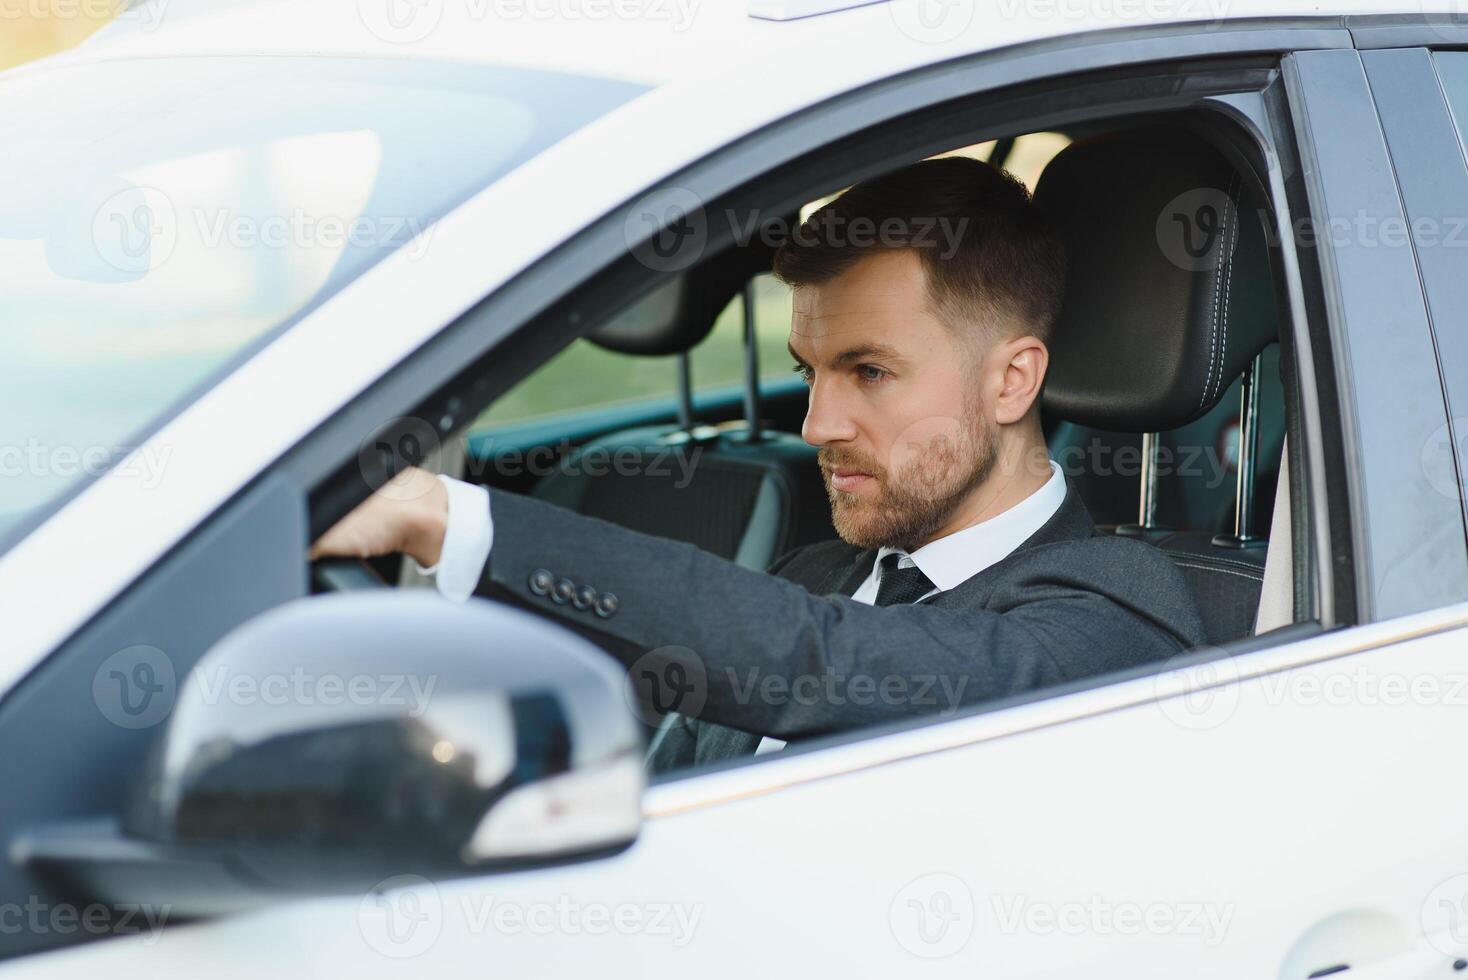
point(347, 738)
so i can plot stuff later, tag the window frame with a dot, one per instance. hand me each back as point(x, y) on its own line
point(1248, 111)
point(622, 281)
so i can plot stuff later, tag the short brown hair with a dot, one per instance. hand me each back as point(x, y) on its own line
point(989, 254)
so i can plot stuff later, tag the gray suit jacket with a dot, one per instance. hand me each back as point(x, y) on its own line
point(788, 653)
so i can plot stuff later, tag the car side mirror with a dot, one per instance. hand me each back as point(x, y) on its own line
point(343, 739)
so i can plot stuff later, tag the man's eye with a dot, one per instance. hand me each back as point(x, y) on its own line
point(877, 373)
point(803, 371)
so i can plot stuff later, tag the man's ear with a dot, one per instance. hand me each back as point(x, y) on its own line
point(1023, 361)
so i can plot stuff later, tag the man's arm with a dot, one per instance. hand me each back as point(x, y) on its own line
point(442, 524)
point(773, 657)
point(778, 660)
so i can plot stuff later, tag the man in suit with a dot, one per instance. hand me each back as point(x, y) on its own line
point(967, 568)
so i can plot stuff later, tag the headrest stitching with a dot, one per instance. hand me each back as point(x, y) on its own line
point(1228, 280)
point(1224, 255)
point(1213, 318)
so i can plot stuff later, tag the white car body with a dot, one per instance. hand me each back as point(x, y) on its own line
point(1243, 829)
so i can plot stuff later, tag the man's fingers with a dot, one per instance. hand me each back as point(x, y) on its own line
point(354, 535)
point(379, 525)
point(331, 544)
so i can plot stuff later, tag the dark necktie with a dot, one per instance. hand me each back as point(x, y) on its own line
point(899, 586)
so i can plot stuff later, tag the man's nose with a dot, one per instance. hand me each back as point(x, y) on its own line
point(827, 418)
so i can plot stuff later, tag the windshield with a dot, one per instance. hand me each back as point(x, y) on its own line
point(162, 220)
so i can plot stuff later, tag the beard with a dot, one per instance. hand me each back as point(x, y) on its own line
point(936, 465)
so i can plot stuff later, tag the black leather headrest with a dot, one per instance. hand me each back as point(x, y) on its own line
point(1168, 294)
point(680, 311)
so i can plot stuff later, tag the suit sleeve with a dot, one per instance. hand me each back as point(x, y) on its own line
point(768, 656)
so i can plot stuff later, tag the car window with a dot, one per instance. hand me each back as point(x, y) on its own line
point(719, 360)
point(156, 227)
point(586, 376)
point(583, 376)
point(1026, 157)
point(1031, 153)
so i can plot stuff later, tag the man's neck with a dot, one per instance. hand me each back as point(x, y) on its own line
point(1019, 470)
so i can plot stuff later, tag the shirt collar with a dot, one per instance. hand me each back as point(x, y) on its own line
point(955, 558)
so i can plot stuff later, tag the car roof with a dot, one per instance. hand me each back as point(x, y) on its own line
point(659, 42)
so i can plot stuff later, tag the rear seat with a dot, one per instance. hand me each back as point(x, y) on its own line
point(747, 502)
point(747, 499)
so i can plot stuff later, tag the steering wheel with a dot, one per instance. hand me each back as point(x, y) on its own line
point(344, 575)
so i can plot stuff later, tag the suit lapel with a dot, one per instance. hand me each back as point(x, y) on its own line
point(1072, 521)
point(857, 571)
point(715, 742)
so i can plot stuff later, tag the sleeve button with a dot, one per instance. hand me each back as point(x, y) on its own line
point(606, 605)
point(541, 581)
point(584, 598)
point(565, 589)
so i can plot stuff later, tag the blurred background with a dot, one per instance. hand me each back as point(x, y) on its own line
point(32, 29)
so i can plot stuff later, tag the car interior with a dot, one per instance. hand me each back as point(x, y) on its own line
point(1164, 404)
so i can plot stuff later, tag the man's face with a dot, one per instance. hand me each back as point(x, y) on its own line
point(904, 438)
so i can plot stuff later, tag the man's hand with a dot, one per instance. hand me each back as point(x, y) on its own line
point(407, 514)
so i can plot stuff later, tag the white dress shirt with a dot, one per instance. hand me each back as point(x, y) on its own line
point(468, 534)
point(947, 562)
point(958, 557)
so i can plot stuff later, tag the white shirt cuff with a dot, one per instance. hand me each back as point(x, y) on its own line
point(467, 537)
